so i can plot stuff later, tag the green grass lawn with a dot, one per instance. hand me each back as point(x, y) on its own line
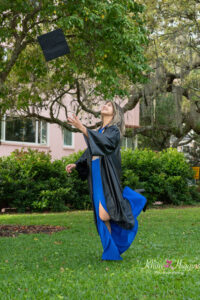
point(67, 264)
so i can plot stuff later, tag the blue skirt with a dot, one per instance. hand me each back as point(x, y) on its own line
point(120, 239)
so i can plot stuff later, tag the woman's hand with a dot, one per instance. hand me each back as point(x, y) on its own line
point(75, 122)
point(70, 167)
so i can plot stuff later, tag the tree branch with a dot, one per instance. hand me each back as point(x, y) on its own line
point(94, 113)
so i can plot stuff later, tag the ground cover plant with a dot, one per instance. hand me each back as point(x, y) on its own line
point(162, 262)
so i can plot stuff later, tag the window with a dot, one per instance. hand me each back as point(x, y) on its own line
point(15, 129)
point(42, 132)
point(128, 142)
point(68, 138)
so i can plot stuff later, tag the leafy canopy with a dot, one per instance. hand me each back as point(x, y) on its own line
point(107, 40)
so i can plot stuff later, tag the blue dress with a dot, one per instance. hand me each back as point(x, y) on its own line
point(120, 239)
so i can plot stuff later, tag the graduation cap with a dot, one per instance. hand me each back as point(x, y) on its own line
point(53, 44)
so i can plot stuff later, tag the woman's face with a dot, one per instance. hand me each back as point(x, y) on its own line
point(107, 109)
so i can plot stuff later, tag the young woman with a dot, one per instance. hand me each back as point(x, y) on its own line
point(115, 211)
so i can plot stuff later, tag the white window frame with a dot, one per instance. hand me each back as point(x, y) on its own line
point(3, 135)
point(68, 146)
point(135, 142)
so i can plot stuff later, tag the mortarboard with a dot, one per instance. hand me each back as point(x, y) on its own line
point(53, 44)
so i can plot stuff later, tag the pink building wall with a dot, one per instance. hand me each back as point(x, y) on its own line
point(55, 142)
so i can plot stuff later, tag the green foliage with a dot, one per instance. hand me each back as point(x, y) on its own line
point(29, 180)
point(165, 109)
point(195, 193)
point(79, 194)
point(164, 175)
point(129, 178)
point(106, 40)
point(53, 200)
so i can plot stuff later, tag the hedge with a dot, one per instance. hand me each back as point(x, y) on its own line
point(164, 175)
point(30, 181)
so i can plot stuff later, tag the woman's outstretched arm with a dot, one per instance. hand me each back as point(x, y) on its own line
point(98, 143)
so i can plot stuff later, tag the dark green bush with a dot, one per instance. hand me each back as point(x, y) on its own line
point(79, 194)
point(164, 175)
point(27, 176)
point(53, 200)
point(195, 193)
point(29, 180)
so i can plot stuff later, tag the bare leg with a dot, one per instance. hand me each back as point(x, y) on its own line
point(108, 225)
point(104, 216)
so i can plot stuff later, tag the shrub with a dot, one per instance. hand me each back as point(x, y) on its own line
point(24, 178)
point(52, 200)
point(30, 180)
point(195, 193)
point(79, 194)
point(164, 175)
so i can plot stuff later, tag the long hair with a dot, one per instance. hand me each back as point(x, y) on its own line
point(118, 118)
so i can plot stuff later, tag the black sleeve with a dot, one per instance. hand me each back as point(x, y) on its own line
point(103, 143)
point(82, 166)
point(83, 157)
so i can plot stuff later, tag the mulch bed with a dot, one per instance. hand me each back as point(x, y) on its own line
point(15, 230)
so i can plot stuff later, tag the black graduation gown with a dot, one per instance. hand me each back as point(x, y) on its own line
point(107, 146)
